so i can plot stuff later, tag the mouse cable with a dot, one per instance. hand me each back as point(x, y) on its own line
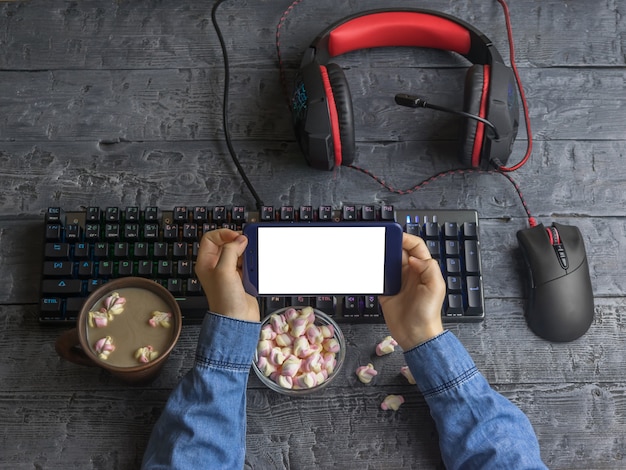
point(281, 65)
point(459, 171)
point(520, 89)
point(229, 144)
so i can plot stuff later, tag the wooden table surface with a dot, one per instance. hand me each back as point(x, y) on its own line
point(119, 103)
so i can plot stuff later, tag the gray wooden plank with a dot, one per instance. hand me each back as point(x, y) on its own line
point(185, 104)
point(41, 430)
point(123, 35)
point(583, 178)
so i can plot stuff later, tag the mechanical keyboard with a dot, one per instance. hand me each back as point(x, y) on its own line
point(85, 248)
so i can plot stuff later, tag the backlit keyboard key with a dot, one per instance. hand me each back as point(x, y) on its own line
point(238, 214)
point(267, 213)
point(287, 214)
point(131, 214)
point(93, 214)
point(112, 214)
point(58, 268)
point(368, 213)
point(472, 263)
point(53, 232)
point(53, 214)
point(151, 214)
point(349, 212)
point(57, 250)
point(325, 213)
point(306, 213)
point(179, 214)
point(62, 286)
point(351, 306)
point(326, 303)
point(218, 215)
point(387, 213)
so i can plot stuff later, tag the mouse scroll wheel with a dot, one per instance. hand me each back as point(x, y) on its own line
point(559, 249)
point(553, 234)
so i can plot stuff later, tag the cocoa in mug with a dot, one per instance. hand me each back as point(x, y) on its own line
point(128, 326)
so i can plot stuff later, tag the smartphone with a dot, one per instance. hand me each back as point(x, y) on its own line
point(325, 258)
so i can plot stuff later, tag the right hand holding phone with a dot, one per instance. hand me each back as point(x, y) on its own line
point(413, 316)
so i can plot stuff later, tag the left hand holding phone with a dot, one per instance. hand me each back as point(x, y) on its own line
point(218, 267)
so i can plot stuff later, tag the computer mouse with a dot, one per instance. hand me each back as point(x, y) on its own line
point(560, 303)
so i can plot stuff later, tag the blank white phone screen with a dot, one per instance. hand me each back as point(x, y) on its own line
point(321, 260)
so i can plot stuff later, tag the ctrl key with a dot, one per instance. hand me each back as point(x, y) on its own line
point(51, 309)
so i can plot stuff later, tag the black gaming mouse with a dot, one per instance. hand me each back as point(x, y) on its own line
point(560, 298)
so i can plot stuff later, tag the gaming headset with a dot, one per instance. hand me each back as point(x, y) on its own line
point(322, 103)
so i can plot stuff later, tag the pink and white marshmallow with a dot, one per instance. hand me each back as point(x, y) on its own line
point(277, 356)
point(305, 380)
point(366, 373)
point(291, 366)
point(331, 345)
point(328, 331)
point(284, 339)
point(406, 372)
point(163, 319)
point(285, 381)
point(99, 319)
point(279, 323)
point(114, 303)
point(265, 366)
point(146, 354)
point(104, 347)
point(264, 347)
point(392, 402)
point(302, 347)
point(268, 333)
point(314, 334)
point(386, 346)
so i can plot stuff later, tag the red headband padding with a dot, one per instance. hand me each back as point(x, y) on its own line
point(398, 28)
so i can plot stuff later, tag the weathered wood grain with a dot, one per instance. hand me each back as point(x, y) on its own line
point(112, 428)
point(582, 178)
point(186, 104)
point(125, 35)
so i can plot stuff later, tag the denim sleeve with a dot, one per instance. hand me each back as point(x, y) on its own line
point(203, 424)
point(478, 427)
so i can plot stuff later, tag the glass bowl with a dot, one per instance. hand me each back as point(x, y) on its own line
point(306, 366)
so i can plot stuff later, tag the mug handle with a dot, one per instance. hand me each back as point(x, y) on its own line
point(68, 347)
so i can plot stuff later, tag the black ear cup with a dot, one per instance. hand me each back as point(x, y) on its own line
point(345, 115)
point(471, 150)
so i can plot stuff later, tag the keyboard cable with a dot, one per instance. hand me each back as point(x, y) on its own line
point(225, 108)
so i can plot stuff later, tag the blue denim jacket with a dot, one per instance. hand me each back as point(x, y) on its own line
point(203, 424)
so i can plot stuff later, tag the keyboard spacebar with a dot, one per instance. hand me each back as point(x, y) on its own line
point(193, 308)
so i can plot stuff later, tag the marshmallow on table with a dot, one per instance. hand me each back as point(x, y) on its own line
point(366, 373)
point(406, 372)
point(392, 402)
point(386, 346)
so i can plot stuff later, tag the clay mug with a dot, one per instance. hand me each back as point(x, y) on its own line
point(128, 327)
